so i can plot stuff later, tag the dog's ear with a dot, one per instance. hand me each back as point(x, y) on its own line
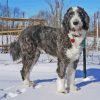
point(65, 23)
point(87, 20)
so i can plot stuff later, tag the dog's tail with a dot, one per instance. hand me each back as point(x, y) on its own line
point(15, 50)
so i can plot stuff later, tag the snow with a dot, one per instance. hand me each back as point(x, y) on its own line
point(44, 74)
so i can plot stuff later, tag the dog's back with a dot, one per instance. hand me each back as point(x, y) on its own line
point(42, 37)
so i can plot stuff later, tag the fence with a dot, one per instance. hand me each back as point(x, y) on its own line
point(10, 28)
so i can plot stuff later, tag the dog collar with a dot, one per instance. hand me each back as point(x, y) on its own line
point(76, 35)
point(72, 40)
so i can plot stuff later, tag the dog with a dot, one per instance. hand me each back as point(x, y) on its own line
point(64, 43)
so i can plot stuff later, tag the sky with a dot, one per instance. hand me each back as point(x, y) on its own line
point(32, 7)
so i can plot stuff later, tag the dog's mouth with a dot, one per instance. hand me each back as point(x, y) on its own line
point(76, 32)
point(76, 35)
point(74, 29)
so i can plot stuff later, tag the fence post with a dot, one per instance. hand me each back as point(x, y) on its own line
point(84, 62)
point(84, 57)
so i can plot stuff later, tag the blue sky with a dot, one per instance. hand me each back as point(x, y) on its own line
point(31, 7)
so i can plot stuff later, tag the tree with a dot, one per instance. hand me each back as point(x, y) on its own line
point(16, 12)
point(56, 8)
point(0, 10)
point(52, 6)
point(22, 14)
point(43, 15)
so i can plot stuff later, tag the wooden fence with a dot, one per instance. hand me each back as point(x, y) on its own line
point(10, 28)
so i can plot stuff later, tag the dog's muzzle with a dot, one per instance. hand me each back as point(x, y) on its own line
point(75, 23)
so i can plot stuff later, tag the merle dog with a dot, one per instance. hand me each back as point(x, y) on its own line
point(65, 44)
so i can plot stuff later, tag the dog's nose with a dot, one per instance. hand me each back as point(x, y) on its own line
point(75, 22)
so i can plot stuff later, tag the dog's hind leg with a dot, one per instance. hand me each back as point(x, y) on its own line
point(28, 59)
point(61, 76)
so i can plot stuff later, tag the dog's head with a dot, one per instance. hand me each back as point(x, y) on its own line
point(75, 19)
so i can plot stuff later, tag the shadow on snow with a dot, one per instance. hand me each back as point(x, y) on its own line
point(95, 73)
point(45, 80)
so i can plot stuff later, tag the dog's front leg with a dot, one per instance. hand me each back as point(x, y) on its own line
point(71, 79)
point(61, 76)
point(60, 85)
point(71, 76)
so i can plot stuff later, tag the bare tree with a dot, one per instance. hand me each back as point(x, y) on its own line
point(6, 11)
point(22, 14)
point(16, 12)
point(61, 10)
point(56, 8)
point(0, 10)
point(43, 15)
point(51, 4)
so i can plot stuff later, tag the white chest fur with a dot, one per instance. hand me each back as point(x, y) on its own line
point(74, 52)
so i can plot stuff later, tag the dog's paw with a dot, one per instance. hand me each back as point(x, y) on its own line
point(29, 83)
point(61, 90)
point(72, 89)
point(60, 85)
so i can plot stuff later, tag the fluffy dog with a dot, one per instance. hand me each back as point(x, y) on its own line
point(65, 44)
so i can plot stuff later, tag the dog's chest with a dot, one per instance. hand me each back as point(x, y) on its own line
point(74, 52)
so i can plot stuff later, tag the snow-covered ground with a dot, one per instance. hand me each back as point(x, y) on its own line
point(44, 74)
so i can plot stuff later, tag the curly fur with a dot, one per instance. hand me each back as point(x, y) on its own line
point(55, 42)
point(15, 50)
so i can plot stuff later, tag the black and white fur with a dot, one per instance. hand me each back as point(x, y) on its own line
point(55, 42)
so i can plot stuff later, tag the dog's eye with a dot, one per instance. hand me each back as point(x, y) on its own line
point(81, 14)
point(71, 13)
